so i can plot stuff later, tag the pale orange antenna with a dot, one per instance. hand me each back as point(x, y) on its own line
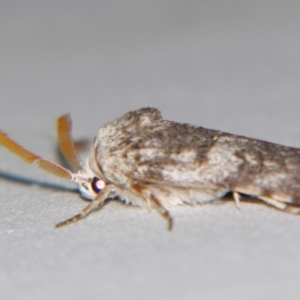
point(80, 144)
point(66, 143)
point(32, 158)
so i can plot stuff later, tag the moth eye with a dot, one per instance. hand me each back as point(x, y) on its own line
point(97, 185)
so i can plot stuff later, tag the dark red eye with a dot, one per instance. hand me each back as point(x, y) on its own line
point(97, 185)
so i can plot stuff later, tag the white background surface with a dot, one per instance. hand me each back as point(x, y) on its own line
point(229, 65)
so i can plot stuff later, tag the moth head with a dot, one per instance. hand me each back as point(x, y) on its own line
point(91, 187)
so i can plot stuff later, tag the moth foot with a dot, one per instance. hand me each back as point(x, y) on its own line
point(168, 217)
point(236, 197)
point(69, 221)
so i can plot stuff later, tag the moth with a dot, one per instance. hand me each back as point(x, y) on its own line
point(147, 161)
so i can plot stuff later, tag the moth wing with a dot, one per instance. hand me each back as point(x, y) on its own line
point(142, 148)
point(171, 160)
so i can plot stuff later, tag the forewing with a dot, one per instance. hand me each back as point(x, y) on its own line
point(172, 155)
point(185, 156)
point(141, 147)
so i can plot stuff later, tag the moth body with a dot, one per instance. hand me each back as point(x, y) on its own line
point(179, 163)
point(147, 161)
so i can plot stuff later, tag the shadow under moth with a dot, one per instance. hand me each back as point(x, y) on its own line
point(153, 163)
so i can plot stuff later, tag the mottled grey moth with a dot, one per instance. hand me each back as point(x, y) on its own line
point(153, 163)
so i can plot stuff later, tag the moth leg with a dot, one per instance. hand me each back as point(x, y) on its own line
point(142, 191)
point(281, 205)
point(236, 197)
point(77, 217)
point(292, 209)
point(279, 202)
point(94, 205)
point(274, 202)
point(162, 211)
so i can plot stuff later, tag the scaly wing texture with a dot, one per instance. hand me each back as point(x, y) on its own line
point(141, 148)
point(144, 148)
